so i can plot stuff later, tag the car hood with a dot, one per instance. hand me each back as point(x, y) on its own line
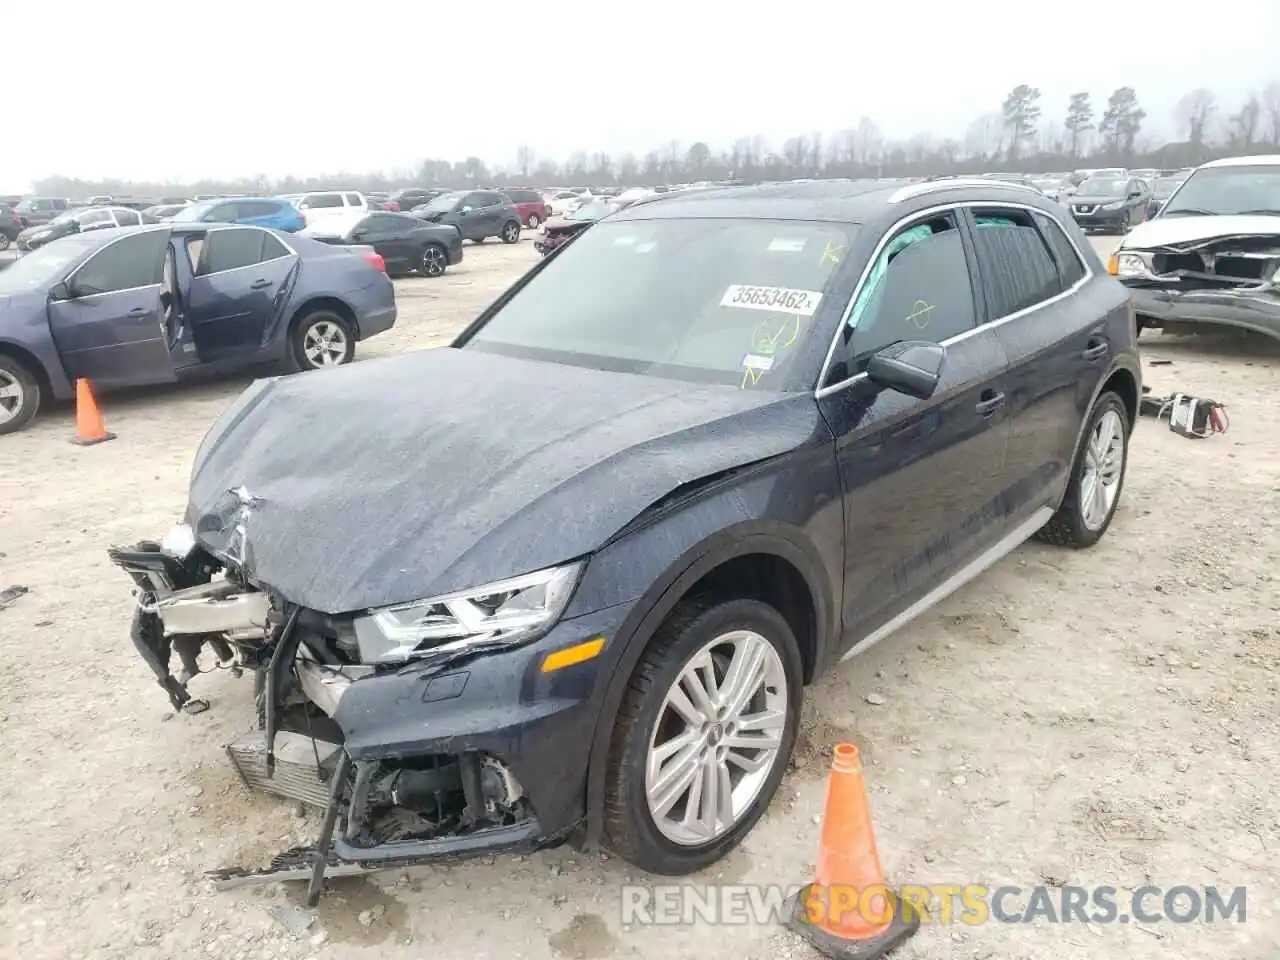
point(29, 232)
point(393, 480)
point(1085, 198)
point(1177, 231)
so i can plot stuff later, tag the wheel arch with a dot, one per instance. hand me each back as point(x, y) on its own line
point(775, 569)
point(29, 360)
point(322, 302)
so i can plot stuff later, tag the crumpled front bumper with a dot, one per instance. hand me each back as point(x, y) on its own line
point(1256, 310)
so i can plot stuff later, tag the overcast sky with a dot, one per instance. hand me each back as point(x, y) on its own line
point(180, 90)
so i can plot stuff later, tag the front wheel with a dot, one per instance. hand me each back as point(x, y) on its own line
point(434, 260)
point(4, 241)
point(19, 395)
point(322, 339)
point(510, 231)
point(1097, 477)
point(703, 735)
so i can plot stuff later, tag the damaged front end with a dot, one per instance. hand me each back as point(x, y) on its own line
point(1223, 281)
point(384, 806)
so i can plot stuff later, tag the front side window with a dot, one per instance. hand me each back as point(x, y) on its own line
point(230, 250)
point(93, 217)
point(1228, 191)
point(918, 289)
point(322, 201)
point(136, 260)
point(706, 300)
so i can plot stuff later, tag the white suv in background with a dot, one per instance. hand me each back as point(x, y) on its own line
point(323, 203)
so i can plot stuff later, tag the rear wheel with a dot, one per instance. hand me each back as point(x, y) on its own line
point(1097, 477)
point(434, 260)
point(703, 735)
point(533, 222)
point(19, 395)
point(4, 241)
point(322, 339)
point(510, 231)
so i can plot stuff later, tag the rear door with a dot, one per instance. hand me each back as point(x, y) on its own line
point(237, 294)
point(388, 234)
point(111, 329)
point(1036, 288)
point(922, 478)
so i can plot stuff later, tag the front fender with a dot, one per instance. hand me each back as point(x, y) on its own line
point(690, 543)
point(31, 340)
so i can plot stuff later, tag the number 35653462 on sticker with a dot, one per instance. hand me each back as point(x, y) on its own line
point(772, 299)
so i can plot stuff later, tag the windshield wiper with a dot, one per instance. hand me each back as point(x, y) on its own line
point(1189, 211)
point(1263, 211)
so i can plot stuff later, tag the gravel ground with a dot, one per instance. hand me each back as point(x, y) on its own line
point(1102, 717)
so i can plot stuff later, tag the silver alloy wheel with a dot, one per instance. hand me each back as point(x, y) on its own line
point(325, 344)
point(534, 220)
point(1104, 457)
point(433, 261)
point(4, 241)
point(716, 738)
point(511, 232)
point(12, 396)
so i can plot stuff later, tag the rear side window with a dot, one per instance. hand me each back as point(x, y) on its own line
point(229, 250)
point(918, 289)
point(322, 201)
point(488, 199)
point(1070, 267)
point(1018, 271)
point(353, 200)
point(256, 208)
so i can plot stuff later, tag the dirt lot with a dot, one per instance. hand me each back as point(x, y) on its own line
point(1106, 717)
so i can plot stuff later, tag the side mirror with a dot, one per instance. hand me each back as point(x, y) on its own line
point(913, 367)
point(61, 291)
point(359, 234)
point(464, 210)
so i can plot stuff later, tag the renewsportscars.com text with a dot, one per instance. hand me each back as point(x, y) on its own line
point(970, 904)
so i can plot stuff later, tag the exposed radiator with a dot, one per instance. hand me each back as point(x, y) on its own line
point(295, 775)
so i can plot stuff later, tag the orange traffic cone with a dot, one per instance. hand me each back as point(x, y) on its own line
point(848, 911)
point(90, 428)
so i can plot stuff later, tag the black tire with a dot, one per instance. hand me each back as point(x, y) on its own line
point(1067, 527)
point(16, 414)
point(629, 827)
point(4, 241)
point(533, 222)
point(299, 359)
point(434, 260)
point(479, 239)
point(510, 231)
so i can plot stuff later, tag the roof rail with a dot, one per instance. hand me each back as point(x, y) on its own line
point(957, 183)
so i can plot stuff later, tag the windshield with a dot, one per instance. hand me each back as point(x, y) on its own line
point(707, 300)
point(443, 203)
point(43, 267)
point(65, 216)
point(1102, 187)
point(591, 211)
point(1047, 184)
point(193, 213)
point(1227, 191)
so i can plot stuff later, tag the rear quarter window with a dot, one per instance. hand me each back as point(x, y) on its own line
point(1070, 267)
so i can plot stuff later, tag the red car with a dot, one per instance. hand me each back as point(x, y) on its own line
point(531, 206)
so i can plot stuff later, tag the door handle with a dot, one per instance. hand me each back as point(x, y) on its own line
point(991, 402)
point(260, 284)
point(138, 311)
point(1096, 350)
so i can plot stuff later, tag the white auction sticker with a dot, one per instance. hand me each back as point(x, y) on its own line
point(772, 299)
point(753, 361)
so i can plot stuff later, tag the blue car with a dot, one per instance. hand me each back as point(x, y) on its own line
point(270, 212)
point(155, 304)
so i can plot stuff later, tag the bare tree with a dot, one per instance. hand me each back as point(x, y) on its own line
point(525, 159)
point(985, 137)
point(1243, 123)
point(870, 142)
point(1194, 112)
point(1271, 107)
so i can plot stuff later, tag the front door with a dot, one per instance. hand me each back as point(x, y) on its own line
point(1053, 328)
point(238, 291)
point(922, 478)
point(109, 324)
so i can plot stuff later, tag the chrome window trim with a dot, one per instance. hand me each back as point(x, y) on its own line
point(245, 226)
point(896, 228)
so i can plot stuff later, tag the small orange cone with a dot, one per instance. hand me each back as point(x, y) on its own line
point(848, 911)
point(90, 428)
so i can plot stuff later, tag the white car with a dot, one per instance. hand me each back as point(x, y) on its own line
point(566, 201)
point(324, 203)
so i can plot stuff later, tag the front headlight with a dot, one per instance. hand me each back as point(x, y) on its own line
point(1130, 265)
point(504, 613)
point(1112, 206)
